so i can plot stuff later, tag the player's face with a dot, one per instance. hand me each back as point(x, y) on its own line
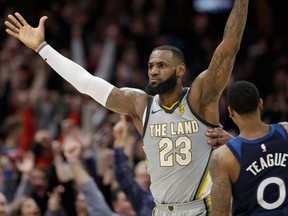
point(161, 72)
point(162, 87)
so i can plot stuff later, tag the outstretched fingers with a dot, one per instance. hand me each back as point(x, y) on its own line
point(42, 21)
point(11, 29)
point(21, 19)
point(15, 22)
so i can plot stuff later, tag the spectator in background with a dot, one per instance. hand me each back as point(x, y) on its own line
point(95, 201)
point(34, 182)
point(120, 203)
point(27, 206)
point(38, 182)
point(10, 153)
point(276, 102)
point(42, 148)
point(3, 205)
point(13, 130)
point(136, 187)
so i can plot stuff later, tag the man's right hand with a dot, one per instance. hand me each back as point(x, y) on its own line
point(20, 29)
point(218, 137)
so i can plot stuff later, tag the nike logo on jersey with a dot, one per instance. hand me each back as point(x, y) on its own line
point(155, 111)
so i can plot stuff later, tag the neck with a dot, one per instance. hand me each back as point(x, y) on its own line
point(252, 128)
point(169, 98)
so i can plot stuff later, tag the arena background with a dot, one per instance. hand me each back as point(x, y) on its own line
point(113, 39)
point(142, 25)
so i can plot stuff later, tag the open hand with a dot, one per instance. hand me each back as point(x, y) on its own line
point(20, 29)
point(218, 137)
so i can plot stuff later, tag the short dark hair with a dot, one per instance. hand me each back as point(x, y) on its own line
point(176, 51)
point(243, 97)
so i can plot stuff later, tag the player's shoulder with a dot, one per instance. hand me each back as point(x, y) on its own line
point(220, 153)
point(285, 125)
point(138, 94)
point(133, 90)
point(218, 161)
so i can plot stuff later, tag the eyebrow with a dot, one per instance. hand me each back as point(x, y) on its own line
point(158, 62)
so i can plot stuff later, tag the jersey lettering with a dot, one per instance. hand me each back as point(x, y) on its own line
point(277, 159)
point(167, 157)
point(175, 128)
point(282, 193)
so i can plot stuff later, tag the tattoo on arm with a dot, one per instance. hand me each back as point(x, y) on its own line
point(125, 101)
point(236, 22)
point(221, 189)
point(219, 61)
point(222, 62)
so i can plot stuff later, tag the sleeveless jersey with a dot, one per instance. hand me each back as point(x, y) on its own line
point(261, 188)
point(177, 152)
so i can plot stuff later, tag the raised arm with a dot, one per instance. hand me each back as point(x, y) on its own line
point(210, 83)
point(130, 101)
point(93, 196)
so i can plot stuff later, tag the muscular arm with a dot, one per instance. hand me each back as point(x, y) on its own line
point(126, 100)
point(119, 100)
point(221, 193)
point(210, 83)
point(130, 101)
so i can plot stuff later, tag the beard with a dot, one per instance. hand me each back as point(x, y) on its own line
point(163, 87)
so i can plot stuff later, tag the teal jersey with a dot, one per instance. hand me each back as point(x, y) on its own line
point(177, 152)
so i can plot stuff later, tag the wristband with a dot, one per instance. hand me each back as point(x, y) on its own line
point(43, 44)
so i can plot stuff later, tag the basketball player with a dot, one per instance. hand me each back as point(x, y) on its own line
point(172, 119)
point(252, 167)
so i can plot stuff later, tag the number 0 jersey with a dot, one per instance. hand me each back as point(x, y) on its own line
point(177, 152)
point(261, 188)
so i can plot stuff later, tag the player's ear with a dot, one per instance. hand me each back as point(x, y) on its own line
point(180, 69)
point(231, 112)
point(260, 104)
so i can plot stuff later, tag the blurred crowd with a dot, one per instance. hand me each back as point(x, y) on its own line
point(49, 133)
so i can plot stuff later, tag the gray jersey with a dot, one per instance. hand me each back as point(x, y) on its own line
point(177, 152)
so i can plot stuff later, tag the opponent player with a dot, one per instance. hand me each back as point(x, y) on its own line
point(252, 167)
point(173, 122)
